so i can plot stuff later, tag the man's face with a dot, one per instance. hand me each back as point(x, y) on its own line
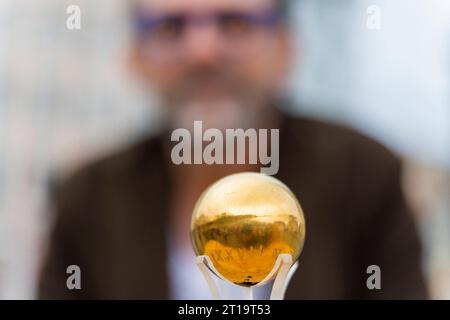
point(218, 61)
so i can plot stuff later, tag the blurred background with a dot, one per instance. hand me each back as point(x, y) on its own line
point(66, 98)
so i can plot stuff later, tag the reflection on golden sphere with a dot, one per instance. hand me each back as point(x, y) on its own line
point(243, 222)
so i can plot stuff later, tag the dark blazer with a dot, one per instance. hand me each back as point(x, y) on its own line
point(111, 217)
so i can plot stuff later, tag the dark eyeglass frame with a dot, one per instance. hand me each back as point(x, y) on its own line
point(145, 23)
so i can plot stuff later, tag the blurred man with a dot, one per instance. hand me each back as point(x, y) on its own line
point(125, 219)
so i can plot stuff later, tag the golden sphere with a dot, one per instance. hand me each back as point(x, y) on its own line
point(243, 222)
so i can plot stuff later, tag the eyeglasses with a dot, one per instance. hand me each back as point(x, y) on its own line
point(237, 31)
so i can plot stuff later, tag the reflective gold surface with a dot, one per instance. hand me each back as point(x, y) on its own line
point(243, 222)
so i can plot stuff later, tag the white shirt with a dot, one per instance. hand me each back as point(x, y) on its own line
point(186, 282)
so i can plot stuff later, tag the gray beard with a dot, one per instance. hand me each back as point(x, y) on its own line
point(223, 115)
